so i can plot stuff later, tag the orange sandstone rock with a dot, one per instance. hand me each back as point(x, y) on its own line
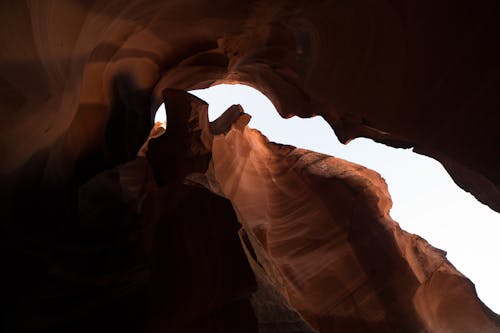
point(94, 237)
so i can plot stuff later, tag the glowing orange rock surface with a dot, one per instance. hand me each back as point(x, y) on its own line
point(212, 228)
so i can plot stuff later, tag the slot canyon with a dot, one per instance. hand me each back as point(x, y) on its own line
point(111, 223)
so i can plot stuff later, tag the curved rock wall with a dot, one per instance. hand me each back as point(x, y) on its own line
point(80, 81)
point(321, 227)
point(404, 73)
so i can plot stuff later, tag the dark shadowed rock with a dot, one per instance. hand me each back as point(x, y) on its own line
point(212, 228)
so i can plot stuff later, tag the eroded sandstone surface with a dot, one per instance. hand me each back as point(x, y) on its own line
point(210, 227)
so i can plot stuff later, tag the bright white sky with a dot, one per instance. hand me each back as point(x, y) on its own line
point(426, 201)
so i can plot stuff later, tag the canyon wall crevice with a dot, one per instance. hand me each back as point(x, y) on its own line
point(402, 73)
point(80, 82)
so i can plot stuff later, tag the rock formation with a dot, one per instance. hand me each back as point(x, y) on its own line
point(211, 228)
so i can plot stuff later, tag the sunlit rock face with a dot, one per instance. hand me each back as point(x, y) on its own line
point(212, 228)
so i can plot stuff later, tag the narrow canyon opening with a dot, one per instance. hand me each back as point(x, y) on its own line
point(250, 223)
point(161, 116)
point(426, 201)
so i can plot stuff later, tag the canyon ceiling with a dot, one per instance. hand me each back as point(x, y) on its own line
point(211, 227)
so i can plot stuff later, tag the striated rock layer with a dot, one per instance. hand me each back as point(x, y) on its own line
point(320, 228)
point(212, 228)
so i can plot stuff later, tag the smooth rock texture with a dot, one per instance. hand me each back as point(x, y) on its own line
point(320, 228)
point(95, 237)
